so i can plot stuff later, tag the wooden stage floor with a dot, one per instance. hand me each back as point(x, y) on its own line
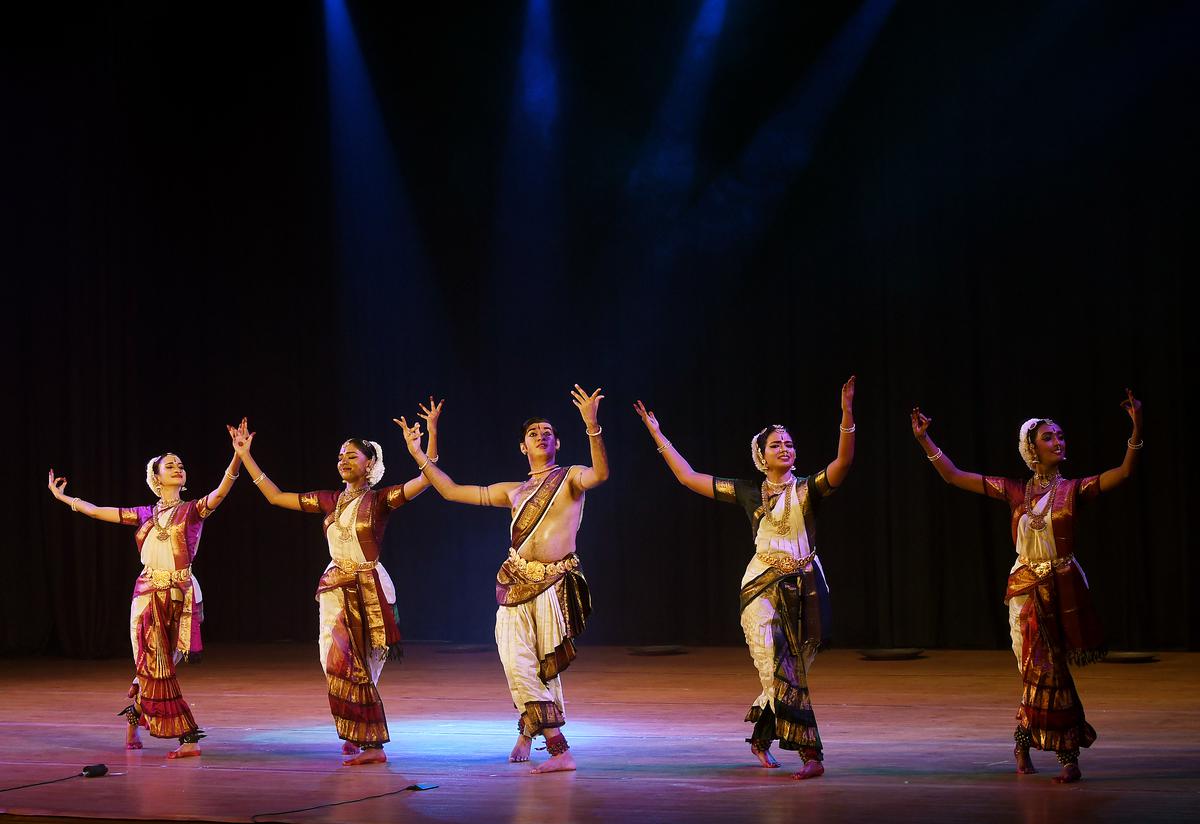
point(656, 738)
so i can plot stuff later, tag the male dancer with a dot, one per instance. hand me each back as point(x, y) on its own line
point(542, 595)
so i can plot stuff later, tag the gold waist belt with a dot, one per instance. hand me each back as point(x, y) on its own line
point(538, 571)
point(162, 578)
point(786, 563)
point(351, 567)
point(1040, 568)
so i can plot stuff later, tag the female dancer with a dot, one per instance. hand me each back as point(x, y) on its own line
point(164, 619)
point(784, 598)
point(355, 593)
point(1050, 614)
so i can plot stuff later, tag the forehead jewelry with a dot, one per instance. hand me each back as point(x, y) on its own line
point(756, 453)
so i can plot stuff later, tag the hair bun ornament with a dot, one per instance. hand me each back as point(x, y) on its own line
point(376, 473)
point(1025, 445)
point(756, 453)
point(151, 480)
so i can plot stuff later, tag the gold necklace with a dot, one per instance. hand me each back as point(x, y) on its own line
point(1037, 520)
point(344, 500)
point(777, 487)
point(784, 525)
point(533, 472)
point(1044, 480)
point(164, 530)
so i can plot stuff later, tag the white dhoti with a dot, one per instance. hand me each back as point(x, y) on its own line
point(525, 635)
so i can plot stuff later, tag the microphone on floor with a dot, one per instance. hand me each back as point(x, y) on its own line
point(94, 770)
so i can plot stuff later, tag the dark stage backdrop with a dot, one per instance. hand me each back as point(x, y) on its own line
point(991, 213)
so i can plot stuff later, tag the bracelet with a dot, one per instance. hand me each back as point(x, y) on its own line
point(74, 503)
point(1137, 445)
point(935, 456)
point(434, 460)
point(599, 429)
point(666, 445)
point(232, 477)
point(260, 479)
point(849, 431)
point(421, 468)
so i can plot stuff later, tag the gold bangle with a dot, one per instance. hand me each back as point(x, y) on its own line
point(1135, 446)
point(260, 479)
point(74, 503)
point(599, 429)
point(433, 459)
point(232, 477)
point(934, 457)
point(421, 468)
point(849, 431)
point(666, 445)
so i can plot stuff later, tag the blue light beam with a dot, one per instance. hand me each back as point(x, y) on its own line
point(667, 164)
point(377, 238)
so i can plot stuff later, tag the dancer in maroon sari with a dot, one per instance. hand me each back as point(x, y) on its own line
point(1051, 617)
point(358, 631)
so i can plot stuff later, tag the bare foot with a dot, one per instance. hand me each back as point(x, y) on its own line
point(133, 737)
point(1069, 775)
point(185, 751)
point(350, 748)
point(1024, 762)
point(764, 756)
point(563, 762)
point(374, 755)
point(813, 769)
point(520, 750)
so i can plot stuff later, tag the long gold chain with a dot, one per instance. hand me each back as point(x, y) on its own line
point(1037, 520)
point(783, 526)
point(164, 530)
point(344, 500)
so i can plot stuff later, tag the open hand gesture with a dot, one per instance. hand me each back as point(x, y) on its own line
point(920, 423)
point(647, 417)
point(1134, 407)
point(57, 486)
point(848, 395)
point(241, 438)
point(588, 405)
point(431, 413)
point(412, 434)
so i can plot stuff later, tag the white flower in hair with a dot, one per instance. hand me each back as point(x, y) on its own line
point(1024, 445)
point(376, 473)
point(756, 453)
point(151, 480)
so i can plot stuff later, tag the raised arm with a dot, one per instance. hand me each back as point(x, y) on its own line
point(1118, 475)
point(493, 495)
point(839, 467)
point(589, 410)
point(430, 414)
point(951, 474)
point(242, 440)
point(698, 482)
point(58, 488)
point(214, 498)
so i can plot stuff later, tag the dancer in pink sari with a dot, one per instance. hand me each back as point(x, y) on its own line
point(167, 608)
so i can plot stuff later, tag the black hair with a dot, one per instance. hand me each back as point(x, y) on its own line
point(363, 446)
point(525, 426)
point(158, 461)
point(761, 440)
point(1031, 435)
